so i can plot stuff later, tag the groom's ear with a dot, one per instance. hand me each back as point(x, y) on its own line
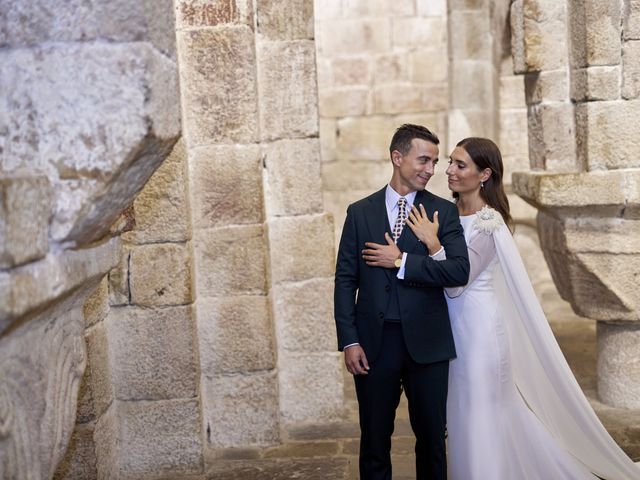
point(396, 157)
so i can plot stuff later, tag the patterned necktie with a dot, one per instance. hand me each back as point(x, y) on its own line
point(402, 216)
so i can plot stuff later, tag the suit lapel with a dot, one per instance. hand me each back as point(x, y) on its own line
point(378, 221)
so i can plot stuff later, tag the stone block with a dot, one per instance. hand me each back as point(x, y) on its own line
point(513, 139)
point(326, 10)
point(285, 20)
point(125, 452)
point(25, 210)
point(79, 462)
point(512, 91)
point(361, 35)
point(392, 67)
point(292, 173)
point(288, 106)
point(417, 31)
point(365, 138)
point(516, 22)
point(230, 260)
point(119, 292)
point(431, 8)
point(473, 36)
point(607, 134)
point(619, 364)
point(552, 137)
point(235, 334)
point(544, 35)
point(631, 20)
point(428, 65)
point(226, 185)
point(434, 121)
point(550, 86)
point(325, 73)
point(99, 361)
point(160, 208)
point(472, 85)
point(344, 102)
point(631, 69)
point(467, 123)
point(467, 4)
point(310, 387)
point(210, 13)
point(96, 307)
point(595, 83)
point(160, 274)
point(153, 353)
point(303, 315)
point(328, 139)
point(377, 8)
point(351, 71)
point(85, 410)
point(240, 410)
point(397, 98)
point(215, 65)
point(301, 248)
point(595, 29)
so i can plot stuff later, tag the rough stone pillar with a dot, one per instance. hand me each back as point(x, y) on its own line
point(90, 109)
point(586, 157)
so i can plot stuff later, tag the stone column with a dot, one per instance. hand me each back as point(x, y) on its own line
point(90, 109)
point(587, 169)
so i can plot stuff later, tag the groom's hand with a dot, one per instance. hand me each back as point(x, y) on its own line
point(377, 255)
point(356, 360)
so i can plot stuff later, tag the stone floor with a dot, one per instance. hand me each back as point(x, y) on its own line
point(329, 452)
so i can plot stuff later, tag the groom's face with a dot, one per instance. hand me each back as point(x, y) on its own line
point(416, 167)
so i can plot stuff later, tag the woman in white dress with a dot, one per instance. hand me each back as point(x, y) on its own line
point(515, 410)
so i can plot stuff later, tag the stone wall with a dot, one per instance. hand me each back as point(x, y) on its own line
point(89, 97)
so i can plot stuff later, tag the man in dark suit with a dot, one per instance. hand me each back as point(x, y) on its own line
point(396, 334)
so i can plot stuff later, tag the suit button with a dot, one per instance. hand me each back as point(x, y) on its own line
point(381, 315)
point(387, 288)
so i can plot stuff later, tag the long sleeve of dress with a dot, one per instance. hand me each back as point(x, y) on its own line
point(482, 250)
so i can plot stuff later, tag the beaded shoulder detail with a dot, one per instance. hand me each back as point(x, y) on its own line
point(488, 220)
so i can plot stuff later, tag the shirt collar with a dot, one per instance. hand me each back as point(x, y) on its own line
point(391, 198)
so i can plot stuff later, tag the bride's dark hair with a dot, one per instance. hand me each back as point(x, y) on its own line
point(486, 154)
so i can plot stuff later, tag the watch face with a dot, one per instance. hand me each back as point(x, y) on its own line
point(398, 262)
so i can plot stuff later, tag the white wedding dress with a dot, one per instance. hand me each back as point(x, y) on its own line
point(515, 411)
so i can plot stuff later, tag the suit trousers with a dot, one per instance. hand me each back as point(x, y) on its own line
point(378, 392)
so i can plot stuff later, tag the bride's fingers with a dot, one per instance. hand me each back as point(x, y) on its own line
point(412, 217)
point(423, 211)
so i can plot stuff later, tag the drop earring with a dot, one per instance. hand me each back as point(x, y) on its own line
point(481, 184)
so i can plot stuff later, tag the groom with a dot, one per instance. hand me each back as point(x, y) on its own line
point(396, 334)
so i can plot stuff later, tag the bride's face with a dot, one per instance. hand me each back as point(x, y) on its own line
point(463, 173)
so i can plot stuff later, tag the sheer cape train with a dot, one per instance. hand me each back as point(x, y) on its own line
point(541, 373)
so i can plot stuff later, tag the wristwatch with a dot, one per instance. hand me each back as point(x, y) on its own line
point(398, 261)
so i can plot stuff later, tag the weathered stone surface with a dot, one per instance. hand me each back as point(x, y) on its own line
point(428, 64)
point(85, 412)
point(36, 284)
point(293, 169)
point(153, 352)
point(398, 98)
point(550, 86)
point(240, 410)
point(631, 25)
point(160, 274)
point(595, 27)
point(619, 364)
point(118, 277)
point(287, 89)
point(479, 93)
point(291, 20)
point(390, 67)
point(472, 34)
point(310, 387)
point(350, 71)
point(551, 137)
point(235, 334)
point(412, 31)
point(303, 316)
point(215, 65)
point(123, 447)
point(309, 468)
point(513, 142)
point(468, 123)
point(595, 83)
point(544, 35)
point(631, 69)
point(237, 255)
point(362, 35)
point(25, 209)
point(431, 8)
point(606, 134)
point(160, 209)
point(99, 363)
point(226, 185)
point(467, 4)
point(364, 138)
point(304, 248)
point(79, 462)
point(377, 8)
point(516, 22)
point(209, 13)
point(327, 9)
point(328, 139)
point(344, 102)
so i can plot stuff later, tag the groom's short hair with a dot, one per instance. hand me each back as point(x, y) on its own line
point(401, 140)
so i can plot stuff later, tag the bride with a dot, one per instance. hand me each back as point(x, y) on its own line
point(515, 411)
